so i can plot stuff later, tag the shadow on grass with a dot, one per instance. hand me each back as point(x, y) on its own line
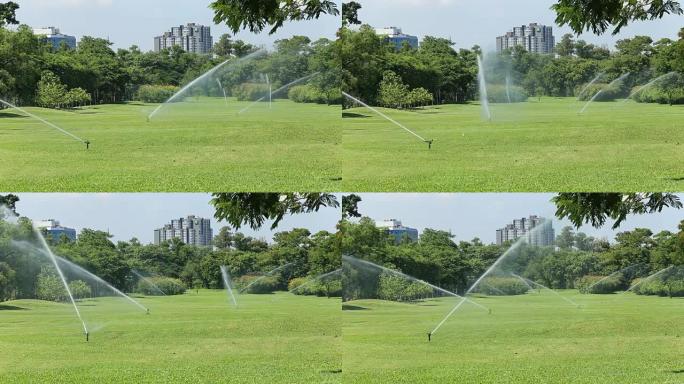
point(677, 179)
point(678, 371)
point(332, 371)
point(347, 307)
point(350, 115)
point(11, 115)
point(12, 308)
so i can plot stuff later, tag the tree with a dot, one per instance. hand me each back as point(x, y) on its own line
point(599, 15)
point(566, 46)
point(7, 282)
point(596, 208)
point(254, 209)
point(51, 91)
point(350, 206)
point(10, 201)
point(8, 13)
point(350, 13)
point(393, 92)
point(226, 47)
point(255, 15)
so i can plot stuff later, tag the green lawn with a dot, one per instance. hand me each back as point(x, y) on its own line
point(535, 146)
point(535, 338)
point(194, 338)
point(202, 145)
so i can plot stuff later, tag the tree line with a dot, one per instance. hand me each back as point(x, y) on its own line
point(576, 258)
point(32, 72)
point(26, 274)
point(380, 74)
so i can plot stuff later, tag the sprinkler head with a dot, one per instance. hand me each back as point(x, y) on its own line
point(87, 143)
point(87, 336)
point(490, 311)
point(429, 143)
point(429, 337)
point(148, 311)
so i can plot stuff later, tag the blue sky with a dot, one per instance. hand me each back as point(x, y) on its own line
point(479, 215)
point(470, 22)
point(129, 22)
point(137, 215)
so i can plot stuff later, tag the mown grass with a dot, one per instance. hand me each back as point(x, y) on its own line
point(193, 338)
point(201, 145)
point(539, 146)
point(535, 338)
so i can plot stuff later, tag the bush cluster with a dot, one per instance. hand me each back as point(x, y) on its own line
point(670, 287)
point(167, 285)
point(155, 93)
point(396, 288)
point(503, 286)
point(251, 91)
point(267, 284)
point(674, 96)
point(497, 93)
point(328, 288)
point(608, 92)
point(311, 94)
point(588, 284)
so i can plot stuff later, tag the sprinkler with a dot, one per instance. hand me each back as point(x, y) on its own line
point(87, 143)
point(429, 337)
point(147, 311)
point(429, 143)
point(87, 336)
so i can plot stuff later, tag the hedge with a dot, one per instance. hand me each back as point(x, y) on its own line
point(155, 93)
point(588, 284)
point(503, 286)
point(167, 285)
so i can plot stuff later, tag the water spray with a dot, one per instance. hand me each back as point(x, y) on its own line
point(482, 81)
point(270, 94)
point(49, 124)
point(649, 278)
point(354, 99)
point(264, 276)
point(226, 282)
point(600, 75)
point(210, 72)
point(319, 277)
point(548, 289)
point(599, 93)
point(649, 84)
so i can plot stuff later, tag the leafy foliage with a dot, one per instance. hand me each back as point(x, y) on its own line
point(256, 15)
point(155, 93)
point(168, 286)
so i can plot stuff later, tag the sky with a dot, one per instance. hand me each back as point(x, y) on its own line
point(137, 215)
point(470, 22)
point(135, 22)
point(479, 215)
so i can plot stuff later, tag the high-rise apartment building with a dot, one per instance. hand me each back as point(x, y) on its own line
point(192, 37)
point(537, 231)
point(191, 230)
point(535, 38)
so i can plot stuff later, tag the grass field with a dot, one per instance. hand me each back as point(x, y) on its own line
point(535, 146)
point(535, 338)
point(197, 146)
point(194, 338)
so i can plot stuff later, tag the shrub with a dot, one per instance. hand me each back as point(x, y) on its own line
point(588, 284)
point(659, 95)
point(307, 94)
point(608, 92)
point(503, 286)
point(167, 285)
point(251, 91)
point(80, 289)
point(327, 288)
point(669, 287)
point(496, 93)
point(396, 288)
point(267, 284)
point(49, 287)
point(155, 93)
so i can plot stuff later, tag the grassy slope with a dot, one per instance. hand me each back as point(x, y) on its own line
point(186, 339)
point(536, 338)
point(530, 146)
point(200, 147)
